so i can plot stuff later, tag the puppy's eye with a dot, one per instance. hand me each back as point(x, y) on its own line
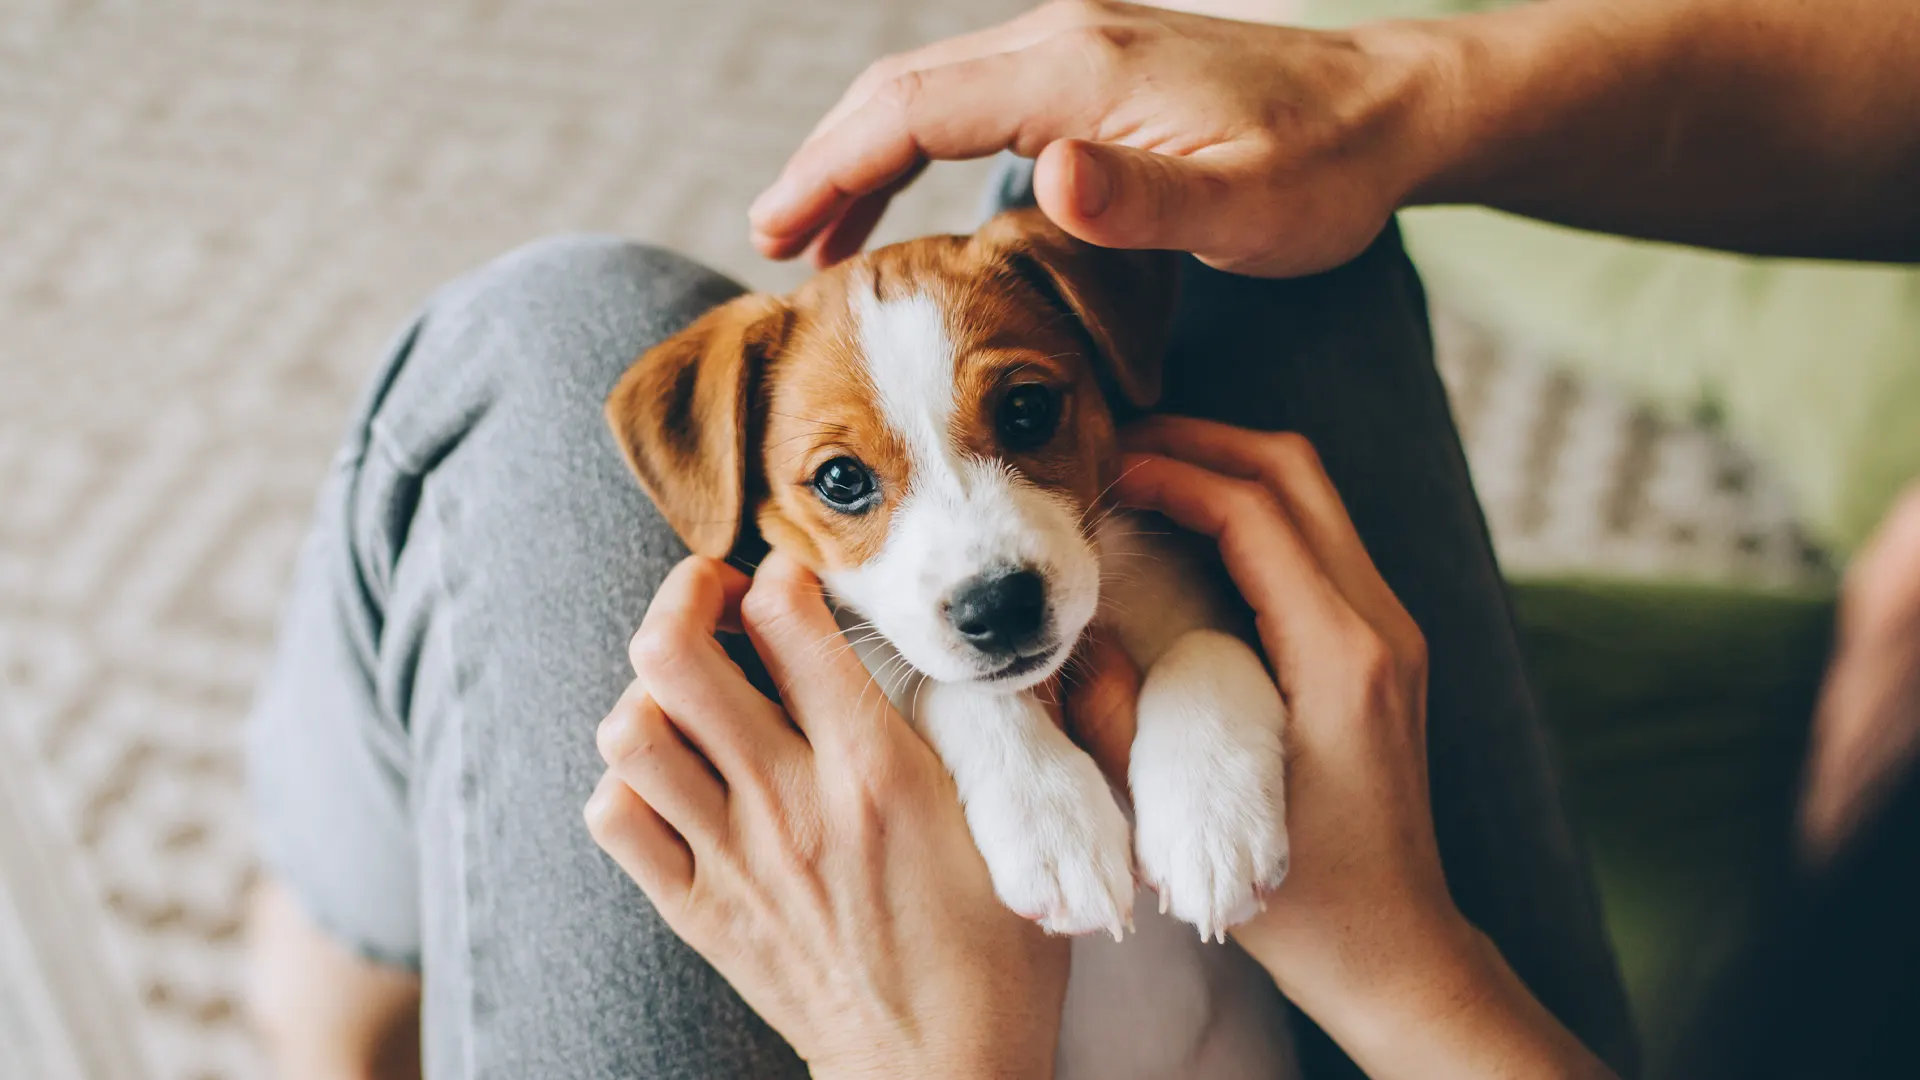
point(1027, 417)
point(845, 484)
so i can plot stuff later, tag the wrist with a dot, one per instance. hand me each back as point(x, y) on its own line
point(1352, 972)
point(1430, 998)
point(985, 1064)
point(1447, 974)
point(956, 1044)
point(1426, 88)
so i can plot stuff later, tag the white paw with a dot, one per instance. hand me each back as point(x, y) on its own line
point(1209, 783)
point(1055, 842)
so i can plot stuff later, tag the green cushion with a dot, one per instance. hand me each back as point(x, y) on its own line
point(1813, 367)
point(1680, 715)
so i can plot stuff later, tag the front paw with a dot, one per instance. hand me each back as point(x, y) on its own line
point(1055, 842)
point(1209, 783)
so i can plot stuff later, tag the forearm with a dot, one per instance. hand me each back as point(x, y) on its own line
point(1767, 126)
point(1434, 1002)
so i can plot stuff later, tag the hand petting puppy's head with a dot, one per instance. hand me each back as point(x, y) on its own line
point(925, 425)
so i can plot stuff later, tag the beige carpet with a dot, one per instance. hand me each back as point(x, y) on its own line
point(212, 212)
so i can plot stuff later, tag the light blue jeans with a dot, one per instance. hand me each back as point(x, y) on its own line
point(423, 745)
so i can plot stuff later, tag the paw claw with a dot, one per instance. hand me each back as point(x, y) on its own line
point(1067, 856)
point(1210, 881)
point(1213, 854)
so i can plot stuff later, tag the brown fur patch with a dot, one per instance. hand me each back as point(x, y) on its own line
point(819, 403)
point(1023, 303)
point(680, 414)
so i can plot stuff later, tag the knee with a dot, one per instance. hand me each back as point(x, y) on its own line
point(572, 308)
point(533, 340)
point(567, 264)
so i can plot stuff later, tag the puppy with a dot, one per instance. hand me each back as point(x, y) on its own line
point(927, 426)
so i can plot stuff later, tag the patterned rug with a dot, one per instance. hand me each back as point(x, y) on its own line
point(214, 212)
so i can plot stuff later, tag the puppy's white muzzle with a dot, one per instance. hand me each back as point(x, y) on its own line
point(984, 578)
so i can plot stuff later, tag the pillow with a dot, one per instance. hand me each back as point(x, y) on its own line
point(1812, 367)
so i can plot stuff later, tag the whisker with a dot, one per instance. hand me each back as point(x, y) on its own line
point(913, 709)
point(899, 679)
point(822, 425)
point(791, 438)
point(1103, 491)
point(827, 637)
point(873, 682)
point(1116, 556)
point(906, 672)
point(817, 650)
point(874, 636)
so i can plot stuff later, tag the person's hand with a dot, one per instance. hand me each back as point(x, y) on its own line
point(1363, 934)
point(1261, 149)
point(1349, 660)
point(817, 856)
point(1866, 730)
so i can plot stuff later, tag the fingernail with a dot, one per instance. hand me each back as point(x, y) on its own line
point(1092, 184)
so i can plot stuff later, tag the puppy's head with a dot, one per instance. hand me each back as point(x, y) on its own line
point(926, 426)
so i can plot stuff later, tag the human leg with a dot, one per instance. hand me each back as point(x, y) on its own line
point(422, 750)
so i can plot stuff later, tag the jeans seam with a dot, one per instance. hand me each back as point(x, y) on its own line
point(454, 744)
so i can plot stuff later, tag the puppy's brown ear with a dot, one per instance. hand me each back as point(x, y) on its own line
point(1124, 299)
point(680, 413)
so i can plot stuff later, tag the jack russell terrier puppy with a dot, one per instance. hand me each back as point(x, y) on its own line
point(927, 427)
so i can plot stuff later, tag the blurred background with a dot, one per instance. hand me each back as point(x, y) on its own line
point(213, 211)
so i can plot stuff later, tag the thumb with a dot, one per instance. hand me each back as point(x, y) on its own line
point(1120, 197)
point(786, 617)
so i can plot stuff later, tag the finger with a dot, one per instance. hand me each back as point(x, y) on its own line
point(1296, 604)
point(848, 234)
point(685, 670)
point(1283, 462)
point(699, 595)
point(1124, 197)
point(826, 689)
point(1101, 704)
point(641, 746)
point(1287, 465)
point(1023, 30)
point(641, 842)
point(964, 110)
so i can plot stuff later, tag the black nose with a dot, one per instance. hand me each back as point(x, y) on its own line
point(999, 611)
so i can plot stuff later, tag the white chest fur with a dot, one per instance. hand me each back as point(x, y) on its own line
point(1166, 1002)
